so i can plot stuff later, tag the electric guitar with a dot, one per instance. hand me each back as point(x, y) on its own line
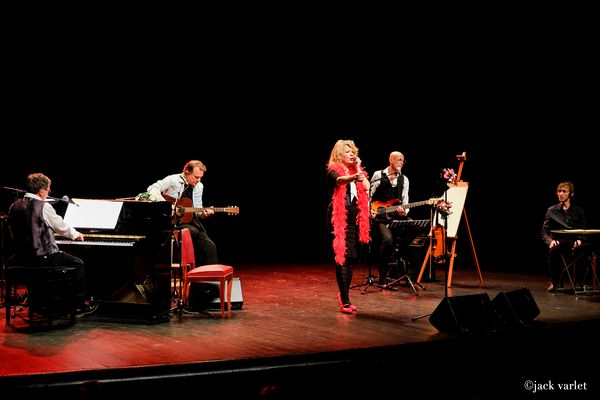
point(385, 208)
point(185, 211)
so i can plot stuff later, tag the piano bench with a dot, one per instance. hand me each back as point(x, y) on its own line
point(213, 272)
point(50, 294)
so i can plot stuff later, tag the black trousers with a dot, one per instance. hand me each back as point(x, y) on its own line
point(61, 259)
point(205, 250)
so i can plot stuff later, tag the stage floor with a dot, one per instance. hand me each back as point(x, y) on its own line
point(290, 327)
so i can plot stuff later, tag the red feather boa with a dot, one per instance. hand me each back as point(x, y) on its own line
point(339, 217)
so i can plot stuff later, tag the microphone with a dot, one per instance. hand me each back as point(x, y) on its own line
point(397, 173)
point(66, 199)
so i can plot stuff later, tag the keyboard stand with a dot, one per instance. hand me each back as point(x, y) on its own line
point(586, 260)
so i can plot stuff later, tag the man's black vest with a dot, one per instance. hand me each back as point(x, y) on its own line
point(33, 238)
point(385, 191)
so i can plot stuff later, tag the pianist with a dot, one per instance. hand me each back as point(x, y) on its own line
point(32, 222)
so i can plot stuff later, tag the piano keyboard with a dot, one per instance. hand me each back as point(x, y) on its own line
point(95, 243)
point(95, 239)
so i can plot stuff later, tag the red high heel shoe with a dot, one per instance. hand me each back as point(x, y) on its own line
point(339, 299)
point(346, 309)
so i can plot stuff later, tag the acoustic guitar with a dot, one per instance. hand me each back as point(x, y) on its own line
point(185, 211)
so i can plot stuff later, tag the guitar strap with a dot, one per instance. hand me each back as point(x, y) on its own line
point(400, 187)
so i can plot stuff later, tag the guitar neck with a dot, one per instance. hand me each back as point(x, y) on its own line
point(416, 204)
point(392, 209)
point(200, 209)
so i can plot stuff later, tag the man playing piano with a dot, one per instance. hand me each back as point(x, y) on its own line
point(33, 222)
point(187, 185)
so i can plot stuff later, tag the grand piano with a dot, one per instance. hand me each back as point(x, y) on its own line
point(127, 253)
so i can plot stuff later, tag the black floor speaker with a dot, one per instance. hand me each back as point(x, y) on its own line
point(463, 315)
point(515, 308)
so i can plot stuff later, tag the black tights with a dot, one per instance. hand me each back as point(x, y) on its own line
point(343, 275)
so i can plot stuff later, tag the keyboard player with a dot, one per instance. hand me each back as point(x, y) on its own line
point(33, 222)
point(563, 215)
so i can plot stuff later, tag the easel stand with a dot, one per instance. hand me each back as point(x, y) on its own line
point(453, 255)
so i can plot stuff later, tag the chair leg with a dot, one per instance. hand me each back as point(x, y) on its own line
point(229, 288)
point(222, 297)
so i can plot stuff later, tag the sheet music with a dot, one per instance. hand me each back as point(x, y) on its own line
point(93, 214)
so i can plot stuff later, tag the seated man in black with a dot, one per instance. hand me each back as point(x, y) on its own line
point(563, 215)
point(389, 189)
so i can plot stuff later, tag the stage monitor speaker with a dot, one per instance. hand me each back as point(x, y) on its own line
point(205, 295)
point(515, 308)
point(463, 315)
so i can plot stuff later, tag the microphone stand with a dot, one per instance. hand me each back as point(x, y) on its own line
point(370, 278)
point(66, 199)
point(178, 239)
point(2, 281)
point(444, 258)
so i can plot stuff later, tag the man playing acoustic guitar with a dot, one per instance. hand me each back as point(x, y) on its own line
point(388, 188)
point(186, 189)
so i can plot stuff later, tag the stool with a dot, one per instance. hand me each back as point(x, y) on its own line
point(50, 291)
point(213, 272)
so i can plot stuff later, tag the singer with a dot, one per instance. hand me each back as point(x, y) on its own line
point(32, 222)
point(347, 214)
point(563, 215)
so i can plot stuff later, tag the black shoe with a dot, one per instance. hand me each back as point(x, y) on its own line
point(386, 287)
point(86, 310)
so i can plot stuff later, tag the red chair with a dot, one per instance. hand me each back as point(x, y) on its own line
point(212, 272)
point(186, 261)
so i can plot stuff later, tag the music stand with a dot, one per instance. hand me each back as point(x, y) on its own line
point(405, 231)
